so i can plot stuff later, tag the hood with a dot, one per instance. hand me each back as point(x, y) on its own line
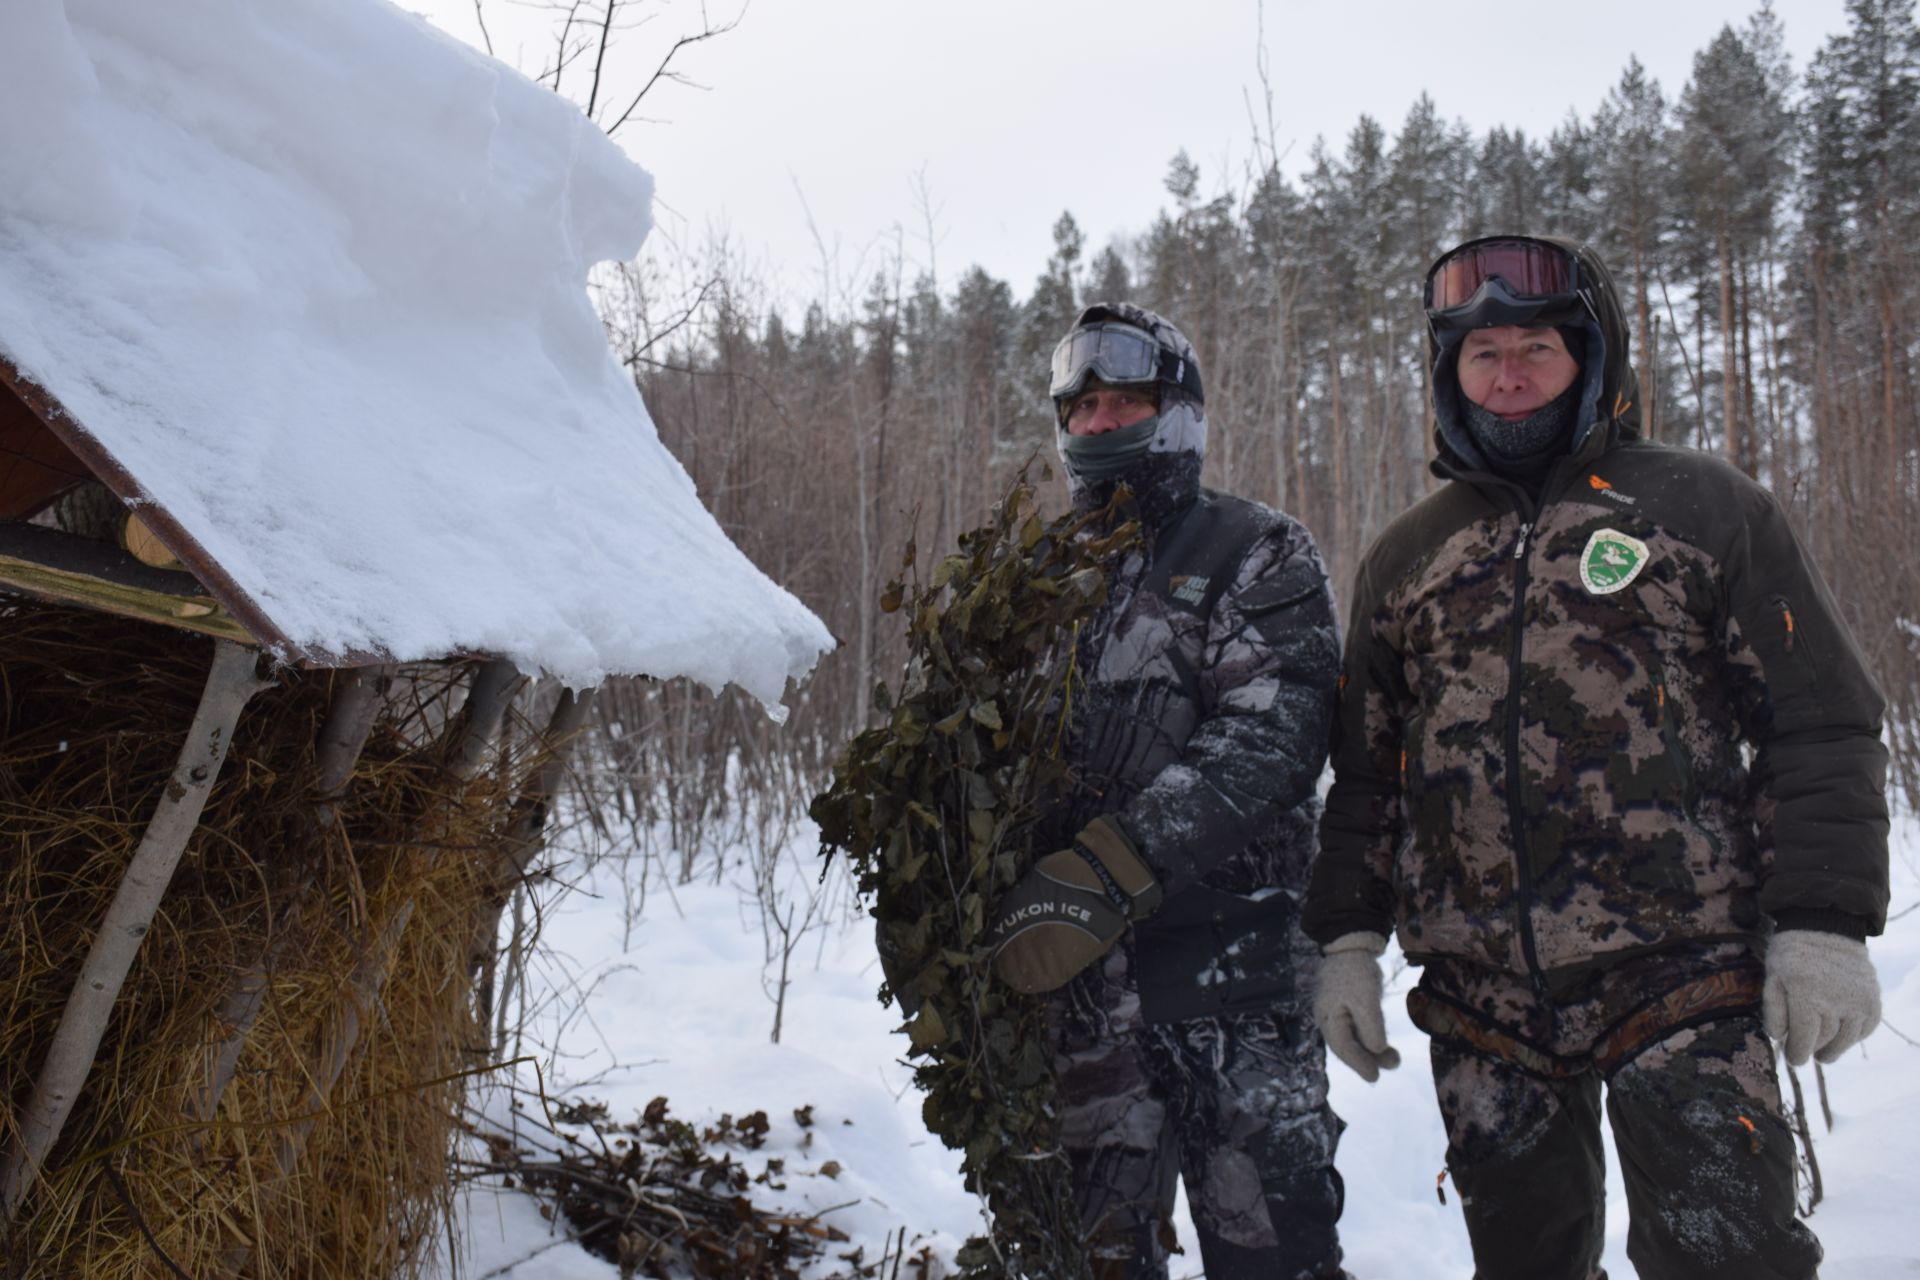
point(1610, 393)
point(1167, 478)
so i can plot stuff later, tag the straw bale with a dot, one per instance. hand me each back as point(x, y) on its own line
point(92, 709)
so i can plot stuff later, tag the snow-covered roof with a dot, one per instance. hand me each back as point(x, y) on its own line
point(313, 275)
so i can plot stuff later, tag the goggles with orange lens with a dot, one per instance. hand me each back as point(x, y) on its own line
point(1504, 280)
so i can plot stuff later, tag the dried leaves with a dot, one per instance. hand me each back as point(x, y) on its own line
point(935, 811)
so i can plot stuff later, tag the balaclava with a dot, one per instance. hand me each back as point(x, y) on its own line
point(1158, 459)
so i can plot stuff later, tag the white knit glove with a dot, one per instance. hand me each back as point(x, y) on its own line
point(1822, 995)
point(1346, 1005)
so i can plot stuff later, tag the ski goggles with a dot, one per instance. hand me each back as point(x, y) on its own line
point(1120, 355)
point(1502, 280)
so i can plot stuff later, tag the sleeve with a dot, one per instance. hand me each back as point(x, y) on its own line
point(1351, 889)
point(1271, 661)
point(1812, 713)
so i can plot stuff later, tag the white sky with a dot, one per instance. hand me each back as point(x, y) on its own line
point(1014, 110)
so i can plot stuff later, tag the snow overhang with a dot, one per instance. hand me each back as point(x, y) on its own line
point(306, 285)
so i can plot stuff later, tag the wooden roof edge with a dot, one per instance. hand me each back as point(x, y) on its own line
point(220, 586)
point(172, 534)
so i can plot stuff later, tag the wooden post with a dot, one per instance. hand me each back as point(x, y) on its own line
point(463, 750)
point(230, 684)
point(493, 690)
point(523, 842)
point(342, 736)
point(339, 1038)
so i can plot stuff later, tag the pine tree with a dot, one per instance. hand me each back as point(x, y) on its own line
point(1633, 189)
point(1732, 166)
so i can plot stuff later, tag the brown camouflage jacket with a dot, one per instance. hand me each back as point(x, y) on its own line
point(1620, 720)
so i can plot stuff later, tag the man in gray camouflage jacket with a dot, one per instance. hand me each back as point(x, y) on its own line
point(1168, 922)
point(1608, 760)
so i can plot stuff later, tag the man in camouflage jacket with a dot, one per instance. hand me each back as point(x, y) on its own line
point(1608, 759)
point(1199, 727)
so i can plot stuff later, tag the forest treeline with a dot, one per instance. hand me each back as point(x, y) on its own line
point(1761, 223)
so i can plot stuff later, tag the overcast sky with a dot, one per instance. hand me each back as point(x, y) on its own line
point(1014, 110)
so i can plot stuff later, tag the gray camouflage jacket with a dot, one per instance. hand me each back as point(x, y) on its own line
point(1201, 725)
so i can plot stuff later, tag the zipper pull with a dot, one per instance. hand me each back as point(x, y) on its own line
point(1520, 547)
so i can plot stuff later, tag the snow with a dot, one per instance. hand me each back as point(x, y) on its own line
point(677, 1009)
point(315, 274)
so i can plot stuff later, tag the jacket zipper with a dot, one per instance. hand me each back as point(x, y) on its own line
point(1516, 818)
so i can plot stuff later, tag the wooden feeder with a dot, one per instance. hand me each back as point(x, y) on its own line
point(247, 985)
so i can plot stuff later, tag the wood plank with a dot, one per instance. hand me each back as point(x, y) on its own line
point(35, 467)
point(234, 600)
point(239, 616)
point(67, 569)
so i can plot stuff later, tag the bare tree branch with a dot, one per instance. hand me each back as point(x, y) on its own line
point(707, 32)
point(600, 55)
point(480, 16)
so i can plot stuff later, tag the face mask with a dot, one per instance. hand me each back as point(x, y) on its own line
point(1542, 435)
point(1108, 454)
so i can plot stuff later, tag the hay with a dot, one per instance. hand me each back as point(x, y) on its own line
point(92, 710)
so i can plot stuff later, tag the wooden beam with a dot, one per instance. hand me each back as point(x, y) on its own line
point(145, 546)
point(473, 731)
point(108, 470)
point(356, 701)
point(67, 569)
point(509, 863)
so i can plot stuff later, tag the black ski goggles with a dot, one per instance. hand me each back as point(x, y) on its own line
point(1504, 280)
point(1120, 355)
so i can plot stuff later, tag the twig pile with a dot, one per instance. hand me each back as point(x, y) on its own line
point(661, 1197)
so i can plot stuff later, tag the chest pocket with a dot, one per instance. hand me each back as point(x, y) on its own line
point(1147, 695)
point(1264, 599)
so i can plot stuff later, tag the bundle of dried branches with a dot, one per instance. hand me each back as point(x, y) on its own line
point(936, 810)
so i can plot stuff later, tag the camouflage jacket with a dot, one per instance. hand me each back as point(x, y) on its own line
point(1626, 719)
point(1200, 721)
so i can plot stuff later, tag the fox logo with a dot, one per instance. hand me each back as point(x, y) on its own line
point(1605, 490)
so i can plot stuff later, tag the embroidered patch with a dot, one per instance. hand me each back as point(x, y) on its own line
point(1612, 560)
point(1189, 588)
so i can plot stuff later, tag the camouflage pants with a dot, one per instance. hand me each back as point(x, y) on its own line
point(1705, 1152)
point(1236, 1106)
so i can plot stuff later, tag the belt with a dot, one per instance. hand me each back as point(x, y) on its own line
point(1718, 995)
